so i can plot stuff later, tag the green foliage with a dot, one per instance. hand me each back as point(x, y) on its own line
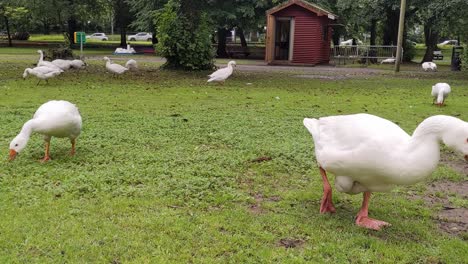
point(409, 51)
point(464, 58)
point(184, 38)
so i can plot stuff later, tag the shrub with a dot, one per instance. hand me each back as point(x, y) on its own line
point(184, 39)
point(61, 52)
point(20, 36)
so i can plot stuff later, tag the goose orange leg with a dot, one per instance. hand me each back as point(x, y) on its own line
point(362, 218)
point(47, 147)
point(326, 205)
point(73, 151)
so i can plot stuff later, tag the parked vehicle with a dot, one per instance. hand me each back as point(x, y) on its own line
point(141, 36)
point(449, 42)
point(99, 36)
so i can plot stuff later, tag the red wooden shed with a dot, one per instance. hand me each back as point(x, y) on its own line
point(298, 32)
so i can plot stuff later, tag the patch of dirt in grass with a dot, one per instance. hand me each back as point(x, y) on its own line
point(455, 162)
point(262, 159)
point(322, 77)
point(256, 208)
point(451, 219)
point(290, 242)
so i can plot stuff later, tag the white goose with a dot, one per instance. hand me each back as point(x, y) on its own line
point(52, 119)
point(113, 67)
point(131, 65)
point(429, 66)
point(62, 64)
point(368, 154)
point(222, 74)
point(42, 62)
point(42, 72)
point(77, 64)
point(440, 92)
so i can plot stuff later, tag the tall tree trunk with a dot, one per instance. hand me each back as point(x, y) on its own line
point(245, 49)
point(373, 36)
point(7, 25)
point(221, 52)
point(430, 38)
point(390, 36)
point(72, 26)
point(123, 34)
point(373, 32)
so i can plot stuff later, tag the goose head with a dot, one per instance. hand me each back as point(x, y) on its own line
point(106, 59)
point(456, 137)
point(17, 145)
point(26, 72)
point(232, 63)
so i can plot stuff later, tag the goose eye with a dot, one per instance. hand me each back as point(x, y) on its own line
point(16, 145)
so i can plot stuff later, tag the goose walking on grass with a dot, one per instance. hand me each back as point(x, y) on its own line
point(52, 119)
point(113, 67)
point(369, 154)
point(222, 74)
point(42, 73)
point(440, 92)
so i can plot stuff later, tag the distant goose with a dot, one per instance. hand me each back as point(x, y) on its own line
point(42, 72)
point(52, 119)
point(42, 62)
point(77, 64)
point(113, 67)
point(222, 74)
point(131, 65)
point(62, 64)
point(440, 92)
point(429, 66)
point(388, 61)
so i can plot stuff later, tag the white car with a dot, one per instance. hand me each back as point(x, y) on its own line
point(449, 42)
point(99, 36)
point(141, 36)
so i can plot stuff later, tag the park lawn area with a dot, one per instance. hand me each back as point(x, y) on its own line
point(168, 170)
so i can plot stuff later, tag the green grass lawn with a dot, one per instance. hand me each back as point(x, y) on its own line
point(164, 170)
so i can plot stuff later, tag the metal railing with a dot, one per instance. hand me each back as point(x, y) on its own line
point(362, 53)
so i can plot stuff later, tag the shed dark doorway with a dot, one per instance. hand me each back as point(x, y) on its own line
point(282, 39)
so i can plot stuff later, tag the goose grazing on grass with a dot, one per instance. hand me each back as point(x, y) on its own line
point(131, 65)
point(222, 74)
point(42, 72)
point(369, 154)
point(62, 64)
point(440, 92)
point(77, 64)
point(429, 66)
point(52, 119)
point(113, 67)
point(42, 62)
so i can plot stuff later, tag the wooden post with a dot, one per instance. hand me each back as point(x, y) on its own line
point(401, 27)
point(270, 39)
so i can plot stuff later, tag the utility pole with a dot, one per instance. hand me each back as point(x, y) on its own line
point(401, 27)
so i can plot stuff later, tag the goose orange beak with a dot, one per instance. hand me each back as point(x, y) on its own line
point(13, 154)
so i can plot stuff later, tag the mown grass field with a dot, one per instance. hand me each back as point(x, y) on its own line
point(165, 170)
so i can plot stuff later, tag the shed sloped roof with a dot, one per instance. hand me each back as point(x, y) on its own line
point(307, 5)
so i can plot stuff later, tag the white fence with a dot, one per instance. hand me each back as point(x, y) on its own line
point(362, 53)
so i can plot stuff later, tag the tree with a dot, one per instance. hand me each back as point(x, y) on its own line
point(123, 18)
point(11, 13)
point(145, 12)
point(184, 36)
point(240, 14)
